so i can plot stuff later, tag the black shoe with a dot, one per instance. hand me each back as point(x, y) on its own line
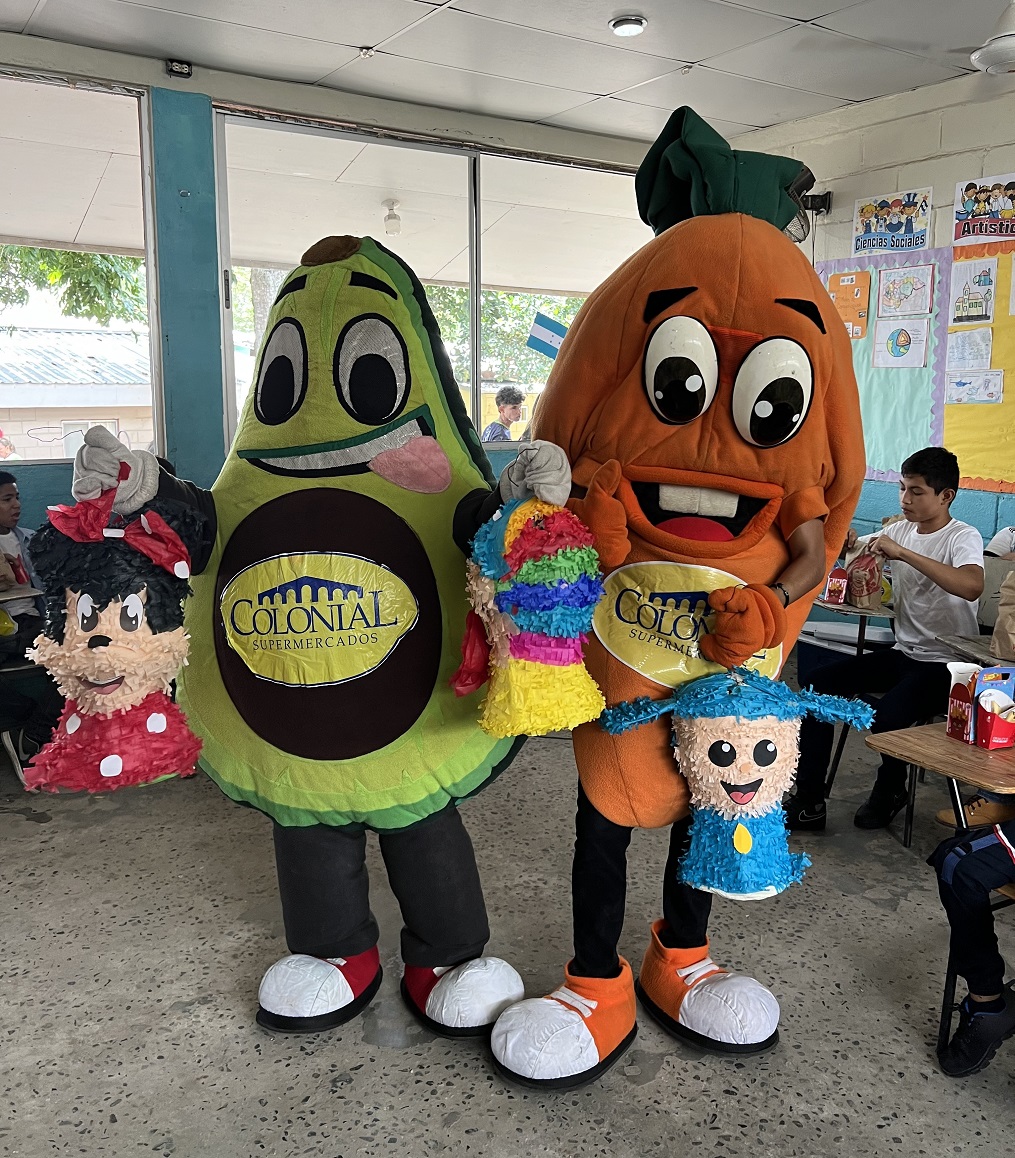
point(978, 1036)
point(804, 815)
point(880, 808)
point(27, 747)
point(10, 744)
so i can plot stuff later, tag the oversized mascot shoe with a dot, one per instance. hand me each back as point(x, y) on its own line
point(302, 994)
point(703, 1005)
point(464, 1000)
point(570, 1037)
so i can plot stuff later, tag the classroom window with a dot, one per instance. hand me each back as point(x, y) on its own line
point(74, 344)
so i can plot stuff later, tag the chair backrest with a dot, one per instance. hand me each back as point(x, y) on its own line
point(994, 573)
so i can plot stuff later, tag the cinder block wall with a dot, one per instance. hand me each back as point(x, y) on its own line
point(933, 136)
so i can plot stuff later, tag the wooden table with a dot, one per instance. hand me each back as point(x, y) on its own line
point(860, 613)
point(21, 592)
point(976, 649)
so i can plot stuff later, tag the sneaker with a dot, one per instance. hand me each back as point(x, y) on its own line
point(27, 747)
point(880, 808)
point(978, 1036)
point(8, 741)
point(805, 815)
point(978, 812)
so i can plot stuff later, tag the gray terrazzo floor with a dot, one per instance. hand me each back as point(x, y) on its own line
point(135, 928)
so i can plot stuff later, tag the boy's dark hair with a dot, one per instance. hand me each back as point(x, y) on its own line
point(6, 478)
point(112, 569)
point(938, 468)
point(509, 396)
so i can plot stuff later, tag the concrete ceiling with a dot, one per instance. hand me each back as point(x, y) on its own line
point(742, 63)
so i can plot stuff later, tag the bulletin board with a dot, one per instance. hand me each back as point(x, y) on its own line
point(982, 433)
point(903, 405)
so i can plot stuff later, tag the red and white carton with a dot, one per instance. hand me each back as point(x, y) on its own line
point(994, 692)
point(961, 717)
point(835, 586)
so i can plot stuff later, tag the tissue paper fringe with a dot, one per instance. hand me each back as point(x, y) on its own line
point(526, 698)
point(712, 864)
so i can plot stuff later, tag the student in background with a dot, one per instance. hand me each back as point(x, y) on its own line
point(509, 401)
point(937, 577)
point(1002, 546)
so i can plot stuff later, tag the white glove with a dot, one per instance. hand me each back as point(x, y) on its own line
point(541, 469)
point(97, 467)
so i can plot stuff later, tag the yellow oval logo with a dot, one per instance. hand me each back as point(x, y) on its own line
point(654, 615)
point(315, 618)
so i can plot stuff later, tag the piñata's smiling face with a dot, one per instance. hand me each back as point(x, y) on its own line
point(737, 767)
point(347, 380)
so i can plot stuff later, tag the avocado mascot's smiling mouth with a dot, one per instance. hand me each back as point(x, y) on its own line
point(404, 452)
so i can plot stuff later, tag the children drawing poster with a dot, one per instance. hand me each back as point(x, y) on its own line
point(900, 344)
point(985, 210)
point(974, 291)
point(975, 386)
point(904, 292)
point(851, 293)
point(970, 349)
point(892, 221)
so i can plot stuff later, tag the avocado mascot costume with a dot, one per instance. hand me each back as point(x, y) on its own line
point(327, 618)
point(706, 401)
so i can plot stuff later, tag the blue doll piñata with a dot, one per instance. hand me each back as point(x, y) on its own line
point(736, 740)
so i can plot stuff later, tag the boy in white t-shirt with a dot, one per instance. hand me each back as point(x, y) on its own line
point(1002, 546)
point(937, 578)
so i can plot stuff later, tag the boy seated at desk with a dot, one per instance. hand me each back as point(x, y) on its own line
point(26, 722)
point(937, 578)
point(1002, 546)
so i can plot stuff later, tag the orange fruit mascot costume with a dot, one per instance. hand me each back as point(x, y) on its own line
point(706, 401)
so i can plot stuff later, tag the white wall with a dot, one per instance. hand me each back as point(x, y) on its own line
point(935, 136)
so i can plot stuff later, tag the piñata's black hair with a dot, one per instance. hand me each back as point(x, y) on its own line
point(112, 569)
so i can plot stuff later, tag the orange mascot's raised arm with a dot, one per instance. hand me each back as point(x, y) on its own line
point(706, 401)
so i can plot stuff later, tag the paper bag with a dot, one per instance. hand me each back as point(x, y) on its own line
point(863, 581)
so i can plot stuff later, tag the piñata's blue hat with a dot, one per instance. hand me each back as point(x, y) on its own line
point(740, 693)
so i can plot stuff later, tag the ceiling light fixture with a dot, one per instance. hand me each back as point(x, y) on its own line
point(628, 25)
point(997, 56)
point(392, 222)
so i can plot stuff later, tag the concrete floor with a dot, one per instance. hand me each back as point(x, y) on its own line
point(135, 929)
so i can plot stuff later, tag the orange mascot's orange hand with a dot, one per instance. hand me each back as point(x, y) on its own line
point(605, 516)
point(747, 620)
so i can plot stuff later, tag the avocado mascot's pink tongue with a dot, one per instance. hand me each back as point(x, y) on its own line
point(421, 465)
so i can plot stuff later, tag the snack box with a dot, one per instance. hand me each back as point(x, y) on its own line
point(835, 586)
point(968, 720)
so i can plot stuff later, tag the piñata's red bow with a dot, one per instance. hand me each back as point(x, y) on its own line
point(88, 521)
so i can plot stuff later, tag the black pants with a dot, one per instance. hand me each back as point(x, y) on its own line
point(33, 707)
point(599, 892)
point(322, 879)
point(969, 866)
point(909, 690)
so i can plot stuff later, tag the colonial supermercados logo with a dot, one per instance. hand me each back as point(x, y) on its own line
point(654, 615)
point(316, 618)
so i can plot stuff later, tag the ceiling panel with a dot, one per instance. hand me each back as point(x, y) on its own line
point(281, 150)
point(731, 98)
point(212, 43)
point(943, 32)
point(273, 219)
point(115, 217)
point(403, 171)
point(798, 9)
point(14, 14)
point(32, 203)
point(685, 29)
point(616, 118)
point(558, 187)
point(827, 62)
point(342, 23)
point(525, 54)
point(417, 81)
point(61, 115)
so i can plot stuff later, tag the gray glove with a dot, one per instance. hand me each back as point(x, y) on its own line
point(97, 465)
point(541, 469)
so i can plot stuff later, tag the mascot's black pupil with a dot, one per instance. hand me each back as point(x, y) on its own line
point(276, 398)
point(373, 389)
point(722, 753)
point(678, 389)
point(777, 412)
point(765, 753)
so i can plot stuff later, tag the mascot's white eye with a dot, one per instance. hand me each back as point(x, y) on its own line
point(282, 381)
point(88, 615)
point(371, 369)
point(131, 613)
point(681, 370)
point(773, 391)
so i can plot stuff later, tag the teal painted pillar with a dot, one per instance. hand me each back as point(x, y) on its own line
point(186, 242)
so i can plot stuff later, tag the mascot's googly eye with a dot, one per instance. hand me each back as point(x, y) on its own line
point(772, 392)
point(88, 613)
point(722, 753)
point(282, 382)
point(681, 370)
point(371, 369)
point(765, 753)
point(131, 613)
